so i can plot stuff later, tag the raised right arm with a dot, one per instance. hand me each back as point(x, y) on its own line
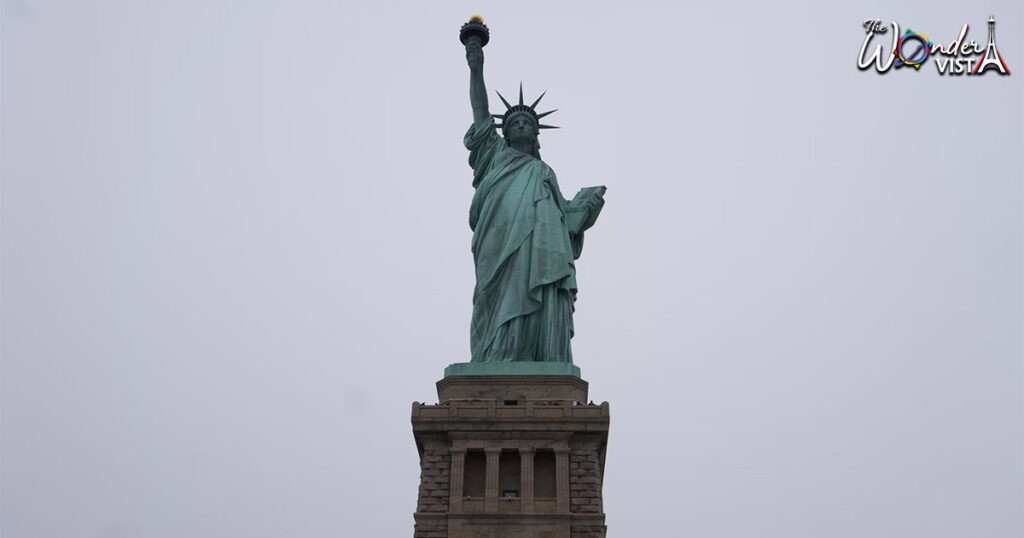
point(477, 90)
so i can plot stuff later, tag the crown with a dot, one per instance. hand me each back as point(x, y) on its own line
point(530, 110)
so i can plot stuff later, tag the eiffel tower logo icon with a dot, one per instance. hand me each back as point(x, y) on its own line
point(992, 57)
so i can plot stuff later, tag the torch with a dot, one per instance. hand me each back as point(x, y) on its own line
point(475, 29)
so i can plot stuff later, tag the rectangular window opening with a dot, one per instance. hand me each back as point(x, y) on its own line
point(544, 474)
point(509, 469)
point(474, 474)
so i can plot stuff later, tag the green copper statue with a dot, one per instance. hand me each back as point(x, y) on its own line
point(526, 236)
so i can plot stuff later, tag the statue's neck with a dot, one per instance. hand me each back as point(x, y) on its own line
point(525, 147)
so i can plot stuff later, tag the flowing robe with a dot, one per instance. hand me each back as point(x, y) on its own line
point(523, 252)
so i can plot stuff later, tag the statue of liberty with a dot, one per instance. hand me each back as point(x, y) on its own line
point(526, 236)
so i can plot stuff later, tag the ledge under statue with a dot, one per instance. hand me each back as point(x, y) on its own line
point(526, 237)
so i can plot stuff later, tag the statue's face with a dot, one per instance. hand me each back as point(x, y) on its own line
point(521, 129)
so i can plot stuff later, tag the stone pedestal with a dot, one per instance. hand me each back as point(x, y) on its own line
point(510, 456)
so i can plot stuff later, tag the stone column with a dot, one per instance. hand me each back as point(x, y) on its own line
point(491, 485)
point(526, 478)
point(457, 473)
point(562, 480)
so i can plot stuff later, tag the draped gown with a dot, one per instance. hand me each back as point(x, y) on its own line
point(523, 253)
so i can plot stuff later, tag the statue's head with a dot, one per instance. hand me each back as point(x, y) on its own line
point(521, 123)
point(520, 127)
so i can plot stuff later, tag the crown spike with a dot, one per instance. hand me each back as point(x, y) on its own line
point(502, 97)
point(512, 111)
point(534, 105)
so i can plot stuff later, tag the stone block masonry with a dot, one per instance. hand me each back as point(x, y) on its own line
point(511, 457)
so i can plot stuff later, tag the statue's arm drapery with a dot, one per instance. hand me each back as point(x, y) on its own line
point(484, 146)
point(484, 143)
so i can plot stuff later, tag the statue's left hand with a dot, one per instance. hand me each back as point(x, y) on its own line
point(582, 211)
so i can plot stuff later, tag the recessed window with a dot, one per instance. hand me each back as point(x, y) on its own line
point(509, 469)
point(544, 473)
point(474, 474)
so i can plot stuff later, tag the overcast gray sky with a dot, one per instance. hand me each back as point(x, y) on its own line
point(235, 249)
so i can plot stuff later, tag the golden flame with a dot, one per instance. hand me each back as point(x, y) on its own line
point(476, 19)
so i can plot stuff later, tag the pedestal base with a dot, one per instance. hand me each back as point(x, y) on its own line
point(511, 456)
point(511, 368)
point(513, 390)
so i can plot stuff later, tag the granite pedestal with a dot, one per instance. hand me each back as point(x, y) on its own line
point(510, 453)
